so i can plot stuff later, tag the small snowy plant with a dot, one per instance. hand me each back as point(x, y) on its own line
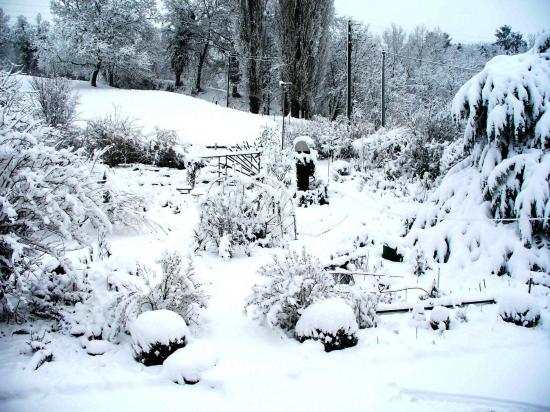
point(292, 283)
point(439, 318)
point(521, 310)
point(156, 335)
point(178, 289)
point(363, 302)
point(420, 263)
point(331, 322)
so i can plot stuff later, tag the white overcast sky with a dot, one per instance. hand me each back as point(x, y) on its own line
point(465, 20)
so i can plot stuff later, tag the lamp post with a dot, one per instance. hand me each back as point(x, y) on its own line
point(283, 106)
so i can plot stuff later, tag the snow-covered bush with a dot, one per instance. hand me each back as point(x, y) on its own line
point(187, 365)
point(505, 177)
point(522, 310)
point(277, 163)
point(119, 139)
point(54, 101)
point(177, 289)
point(164, 150)
point(133, 289)
point(342, 168)
point(49, 199)
point(400, 152)
point(156, 335)
point(292, 283)
point(362, 300)
point(440, 318)
point(330, 321)
point(244, 212)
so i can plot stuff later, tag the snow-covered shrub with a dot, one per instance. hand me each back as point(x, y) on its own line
point(187, 365)
point(521, 310)
point(54, 101)
point(177, 290)
point(156, 335)
point(400, 152)
point(119, 139)
point(439, 318)
point(363, 302)
point(164, 150)
point(331, 322)
point(245, 212)
point(420, 264)
point(49, 199)
point(316, 195)
point(277, 163)
point(292, 283)
point(506, 175)
point(342, 167)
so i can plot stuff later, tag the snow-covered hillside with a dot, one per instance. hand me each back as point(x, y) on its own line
point(195, 120)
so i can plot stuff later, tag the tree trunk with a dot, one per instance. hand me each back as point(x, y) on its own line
point(111, 78)
point(178, 79)
point(93, 80)
point(202, 58)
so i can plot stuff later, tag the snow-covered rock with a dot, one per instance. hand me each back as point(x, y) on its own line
point(439, 318)
point(330, 321)
point(157, 334)
point(187, 365)
point(520, 309)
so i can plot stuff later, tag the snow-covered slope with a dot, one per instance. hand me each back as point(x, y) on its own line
point(195, 120)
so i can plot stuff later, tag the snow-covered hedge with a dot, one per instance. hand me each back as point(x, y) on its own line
point(522, 310)
point(330, 321)
point(506, 175)
point(156, 335)
point(243, 212)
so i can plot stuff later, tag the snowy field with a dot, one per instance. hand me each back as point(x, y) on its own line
point(483, 364)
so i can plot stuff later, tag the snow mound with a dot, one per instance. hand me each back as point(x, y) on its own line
point(521, 309)
point(188, 364)
point(157, 326)
point(98, 347)
point(329, 316)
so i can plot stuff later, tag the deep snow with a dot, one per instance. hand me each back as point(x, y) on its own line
point(483, 364)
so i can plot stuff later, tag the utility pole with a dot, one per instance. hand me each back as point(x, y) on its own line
point(283, 115)
point(383, 105)
point(227, 88)
point(348, 107)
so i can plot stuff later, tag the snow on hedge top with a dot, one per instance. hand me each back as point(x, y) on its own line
point(328, 316)
point(515, 303)
point(509, 86)
point(157, 326)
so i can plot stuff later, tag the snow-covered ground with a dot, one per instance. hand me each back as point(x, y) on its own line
point(483, 364)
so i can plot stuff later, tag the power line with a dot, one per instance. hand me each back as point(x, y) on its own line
point(432, 62)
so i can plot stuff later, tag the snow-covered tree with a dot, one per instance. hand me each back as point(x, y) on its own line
point(253, 36)
point(509, 41)
point(100, 34)
point(303, 31)
point(506, 174)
